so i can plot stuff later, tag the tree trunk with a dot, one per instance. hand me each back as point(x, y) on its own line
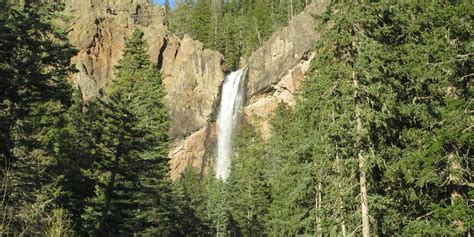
point(291, 9)
point(454, 179)
point(4, 225)
point(455, 168)
point(259, 37)
point(455, 182)
point(339, 185)
point(362, 164)
point(108, 193)
point(318, 208)
point(216, 11)
point(363, 194)
point(340, 199)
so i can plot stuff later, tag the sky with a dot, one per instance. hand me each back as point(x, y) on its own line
point(161, 2)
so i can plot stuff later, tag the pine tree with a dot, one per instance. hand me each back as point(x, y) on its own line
point(71, 146)
point(249, 191)
point(202, 23)
point(133, 194)
point(181, 19)
point(167, 6)
point(432, 102)
point(231, 48)
point(371, 107)
point(291, 176)
point(348, 114)
point(234, 28)
point(217, 207)
point(190, 190)
point(34, 95)
point(262, 24)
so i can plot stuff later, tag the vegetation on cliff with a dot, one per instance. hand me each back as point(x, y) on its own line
point(234, 28)
point(98, 168)
point(379, 142)
point(34, 97)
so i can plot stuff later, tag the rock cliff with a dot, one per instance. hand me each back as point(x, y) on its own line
point(192, 75)
point(192, 78)
point(98, 29)
point(277, 69)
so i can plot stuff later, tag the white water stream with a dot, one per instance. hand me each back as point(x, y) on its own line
point(232, 97)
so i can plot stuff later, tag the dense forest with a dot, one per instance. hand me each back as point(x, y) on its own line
point(378, 143)
point(234, 28)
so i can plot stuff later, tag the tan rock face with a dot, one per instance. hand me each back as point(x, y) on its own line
point(99, 29)
point(192, 75)
point(193, 151)
point(277, 69)
point(259, 113)
point(192, 78)
point(285, 49)
point(260, 108)
point(192, 81)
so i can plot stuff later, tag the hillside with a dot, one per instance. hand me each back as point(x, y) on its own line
point(236, 118)
point(192, 74)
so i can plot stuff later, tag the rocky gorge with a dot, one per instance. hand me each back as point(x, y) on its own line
point(192, 74)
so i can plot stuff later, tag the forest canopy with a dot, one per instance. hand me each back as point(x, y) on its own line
point(378, 143)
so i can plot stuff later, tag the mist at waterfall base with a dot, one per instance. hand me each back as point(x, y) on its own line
point(232, 97)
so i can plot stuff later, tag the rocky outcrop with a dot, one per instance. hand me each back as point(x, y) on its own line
point(277, 69)
point(192, 75)
point(98, 29)
point(193, 78)
point(193, 151)
point(283, 51)
point(260, 108)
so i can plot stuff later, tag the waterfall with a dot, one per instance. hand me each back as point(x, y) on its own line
point(232, 97)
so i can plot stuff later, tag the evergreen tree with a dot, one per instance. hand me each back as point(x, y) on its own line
point(71, 146)
point(133, 194)
point(291, 176)
point(249, 192)
point(190, 190)
point(231, 48)
point(181, 19)
point(217, 207)
point(261, 27)
point(376, 104)
point(234, 28)
point(167, 6)
point(429, 166)
point(202, 23)
point(34, 96)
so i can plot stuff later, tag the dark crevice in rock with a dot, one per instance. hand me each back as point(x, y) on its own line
point(138, 9)
point(159, 62)
point(209, 152)
point(265, 90)
point(176, 52)
point(111, 11)
point(306, 55)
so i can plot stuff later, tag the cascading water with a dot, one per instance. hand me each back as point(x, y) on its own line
point(232, 97)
